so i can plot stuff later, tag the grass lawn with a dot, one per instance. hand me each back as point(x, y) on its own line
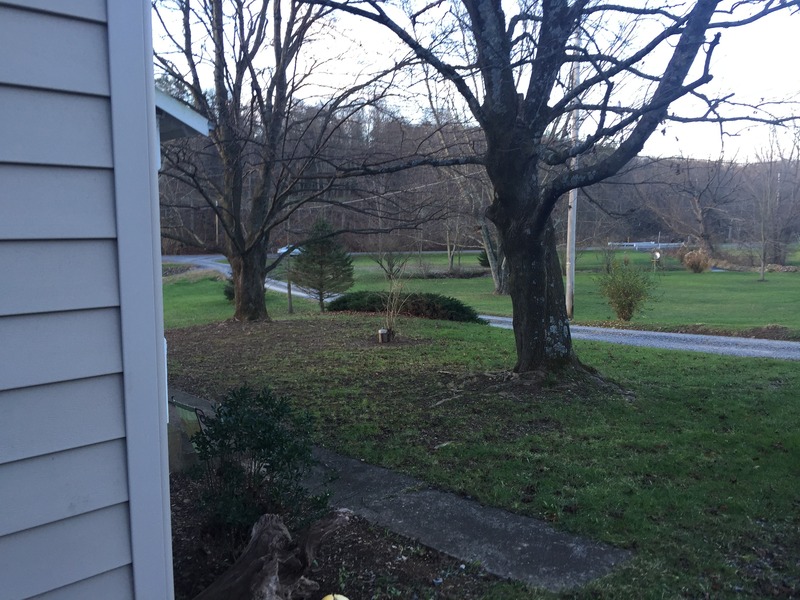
point(199, 298)
point(718, 300)
point(690, 462)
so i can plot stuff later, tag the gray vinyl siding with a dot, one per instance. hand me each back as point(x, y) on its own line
point(59, 203)
point(69, 275)
point(58, 486)
point(116, 584)
point(69, 414)
point(42, 559)
point(52, 347)
point(93, 10)
point(79, 401)
point(73, 56)
point(55, 128)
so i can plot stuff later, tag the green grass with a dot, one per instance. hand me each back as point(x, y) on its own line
point(732, 301)
point(695, 471)
point(189, 300)
point(720, 300)
point(794, 257)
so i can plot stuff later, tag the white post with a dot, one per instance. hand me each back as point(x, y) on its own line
point(571, 226)
point(573, 203)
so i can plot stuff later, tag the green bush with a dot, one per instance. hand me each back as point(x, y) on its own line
point(456, 273)
point(627, 288)
point(483, 259)
point(429, 306)
point(253, 454)
point(359, 302)
point(228, 290)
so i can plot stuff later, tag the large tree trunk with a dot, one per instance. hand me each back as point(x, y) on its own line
point(538, 301)
point(249, 272)
point(541, 326)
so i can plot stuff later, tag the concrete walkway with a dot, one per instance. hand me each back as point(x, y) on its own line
point(505, 544)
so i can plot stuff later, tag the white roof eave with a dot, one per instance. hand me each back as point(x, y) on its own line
point(176, 120)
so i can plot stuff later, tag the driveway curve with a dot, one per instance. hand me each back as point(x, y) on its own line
point(713, 344)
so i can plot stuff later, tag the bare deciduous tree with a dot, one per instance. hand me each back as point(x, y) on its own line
point(511, 71)
point(773, 183)
point(245, 65)
point(692, 198)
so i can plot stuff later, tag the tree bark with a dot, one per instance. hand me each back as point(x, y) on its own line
point(273, 566)
point(541, 326)
point(527, 238)
point(249, 273)
point(497, 262)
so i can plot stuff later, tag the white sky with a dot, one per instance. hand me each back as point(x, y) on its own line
point(757, 61)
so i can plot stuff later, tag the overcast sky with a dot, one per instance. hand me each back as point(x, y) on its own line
point(756, 61)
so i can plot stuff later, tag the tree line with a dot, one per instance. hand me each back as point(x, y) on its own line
point(706, 204)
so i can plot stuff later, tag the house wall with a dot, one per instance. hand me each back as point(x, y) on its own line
point(83, 489)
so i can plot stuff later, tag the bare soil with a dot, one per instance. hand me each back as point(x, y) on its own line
point(766, 332)
point(360, 561)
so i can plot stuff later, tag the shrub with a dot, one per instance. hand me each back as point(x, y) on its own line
point(253, 454)
point(483, 259)
point(429, 306)
point(456, 273)
point(359, 302)
point(436, 306)
point(230, 293)
point(609, 256)
point(697, 261)
point(393, 266)
point(627, 288)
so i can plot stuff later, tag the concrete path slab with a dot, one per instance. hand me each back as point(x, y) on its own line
point(505, 544)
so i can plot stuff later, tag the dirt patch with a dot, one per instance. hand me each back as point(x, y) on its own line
point(767, 332)
point(360, 561)
point(210, 359)
point(168, 270)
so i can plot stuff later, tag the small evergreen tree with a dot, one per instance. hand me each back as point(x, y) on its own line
point(323, 268)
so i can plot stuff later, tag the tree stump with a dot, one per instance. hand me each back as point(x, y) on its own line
point(273, 566)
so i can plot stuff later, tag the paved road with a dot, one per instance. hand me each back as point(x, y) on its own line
point(211, 262)
point(204, 261)
point(713, 344)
